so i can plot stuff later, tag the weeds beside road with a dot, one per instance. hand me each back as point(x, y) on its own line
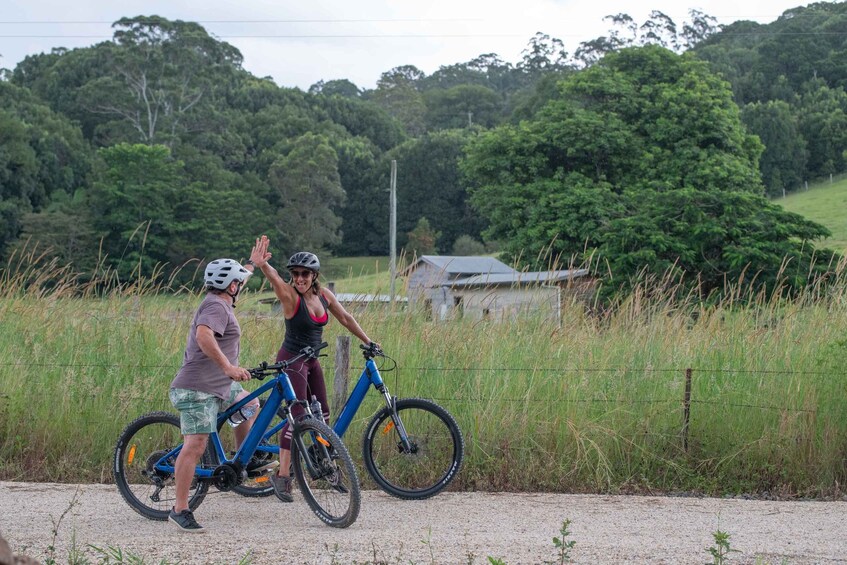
point(450, 528)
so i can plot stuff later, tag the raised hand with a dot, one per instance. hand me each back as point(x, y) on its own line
point(260, 254)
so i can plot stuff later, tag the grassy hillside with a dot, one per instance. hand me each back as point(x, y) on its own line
point(367, 275)
point(826, 204)
point(334, 268)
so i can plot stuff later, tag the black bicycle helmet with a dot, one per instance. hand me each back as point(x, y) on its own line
point(306, 260)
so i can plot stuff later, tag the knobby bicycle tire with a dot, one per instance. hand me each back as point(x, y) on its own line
point(333, 495)
point(142, 443)
point(437, 449)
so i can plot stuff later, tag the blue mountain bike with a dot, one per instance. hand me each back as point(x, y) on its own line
point(412, 447)
point(147, 450)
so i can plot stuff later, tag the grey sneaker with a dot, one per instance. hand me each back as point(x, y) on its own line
point(282, 487)
point(185, 521)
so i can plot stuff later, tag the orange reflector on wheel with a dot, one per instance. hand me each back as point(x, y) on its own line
point(131, 455)
point(388, 427)
point(323, 441)
point(262, 479)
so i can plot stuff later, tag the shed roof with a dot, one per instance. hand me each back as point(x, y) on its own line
point(519, 278)
point(354, 297)
point(461, 265)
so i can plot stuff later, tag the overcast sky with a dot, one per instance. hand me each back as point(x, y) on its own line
point(300, 43)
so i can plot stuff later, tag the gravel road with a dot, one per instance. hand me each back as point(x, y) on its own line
point(450, 528)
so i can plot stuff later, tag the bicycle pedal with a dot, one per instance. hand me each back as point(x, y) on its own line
point(263, 469)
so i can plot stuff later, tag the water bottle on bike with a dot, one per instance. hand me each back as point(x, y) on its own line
point(241, 415)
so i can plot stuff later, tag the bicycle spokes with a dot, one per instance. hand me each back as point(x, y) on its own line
point(413, 449)
point(143, 465)
point(325, 473)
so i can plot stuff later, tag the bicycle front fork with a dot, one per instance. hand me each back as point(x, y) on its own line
point(391, 403)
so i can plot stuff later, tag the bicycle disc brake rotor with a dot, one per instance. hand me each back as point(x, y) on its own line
point(150, 470)
point(415, 449)
point(326, 468)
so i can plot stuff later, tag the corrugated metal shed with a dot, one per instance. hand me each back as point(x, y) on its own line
point(461, 265)
point(519, 278)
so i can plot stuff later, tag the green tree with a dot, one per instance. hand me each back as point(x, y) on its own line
point(822, 121)
point(657, 29)
point(132, 206)
point(462, 106)
point(466, 245)
point(41, 154)
point(310, 191)
point(162, 77)
point(340, 87)
point(62, 230)
point(783, 163)
point(543, 53)
point(364, 217)
point(58, 78)
point(155, 212)
point(643, 161)
point(363, 118)
point(421, 240)
point(397, 93)
point(430, 184)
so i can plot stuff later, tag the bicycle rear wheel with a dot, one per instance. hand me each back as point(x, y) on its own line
point(141, 446)
point(435, 457)
point(331, 488)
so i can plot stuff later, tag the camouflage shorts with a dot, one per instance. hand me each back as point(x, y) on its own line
point(198, 411)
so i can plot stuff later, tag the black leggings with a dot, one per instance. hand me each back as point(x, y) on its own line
point(307, 379)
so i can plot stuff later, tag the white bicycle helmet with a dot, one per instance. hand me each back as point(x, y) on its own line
point(221, 272)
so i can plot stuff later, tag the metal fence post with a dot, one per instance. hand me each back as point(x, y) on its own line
point(686, 409)
point(342, 372)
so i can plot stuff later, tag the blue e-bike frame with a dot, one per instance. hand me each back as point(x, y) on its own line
point(370, 376)
point(282, 391)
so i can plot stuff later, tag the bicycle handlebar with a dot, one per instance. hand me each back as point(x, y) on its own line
point(371, 350)
point(264, 369)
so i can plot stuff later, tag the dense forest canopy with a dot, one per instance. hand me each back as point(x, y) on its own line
point(156, 149)
point(641, 160)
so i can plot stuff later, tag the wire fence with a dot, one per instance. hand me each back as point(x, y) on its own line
point(653, 429)
point(434, 369)
point(461, 399)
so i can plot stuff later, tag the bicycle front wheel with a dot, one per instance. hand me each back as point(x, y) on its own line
point(139, 454)
point(434, 456)
point(325, 473)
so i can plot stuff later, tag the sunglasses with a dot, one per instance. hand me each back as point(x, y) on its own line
point(300, 274)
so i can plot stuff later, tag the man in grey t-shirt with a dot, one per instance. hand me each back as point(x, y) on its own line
point(209, 378)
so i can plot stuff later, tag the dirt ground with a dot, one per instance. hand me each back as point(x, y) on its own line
point(450, 528)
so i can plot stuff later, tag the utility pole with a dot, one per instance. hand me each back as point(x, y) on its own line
point(393, 228)
point(470, 118)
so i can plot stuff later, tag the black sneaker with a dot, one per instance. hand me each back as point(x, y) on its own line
point(282, 487)
point(185, 521)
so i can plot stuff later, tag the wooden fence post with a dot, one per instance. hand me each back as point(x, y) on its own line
point(686, 409)
point(342, 372)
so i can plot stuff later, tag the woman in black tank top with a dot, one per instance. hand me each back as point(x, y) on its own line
point(306, 307)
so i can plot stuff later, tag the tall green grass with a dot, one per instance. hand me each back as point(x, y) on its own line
point(595, 405)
